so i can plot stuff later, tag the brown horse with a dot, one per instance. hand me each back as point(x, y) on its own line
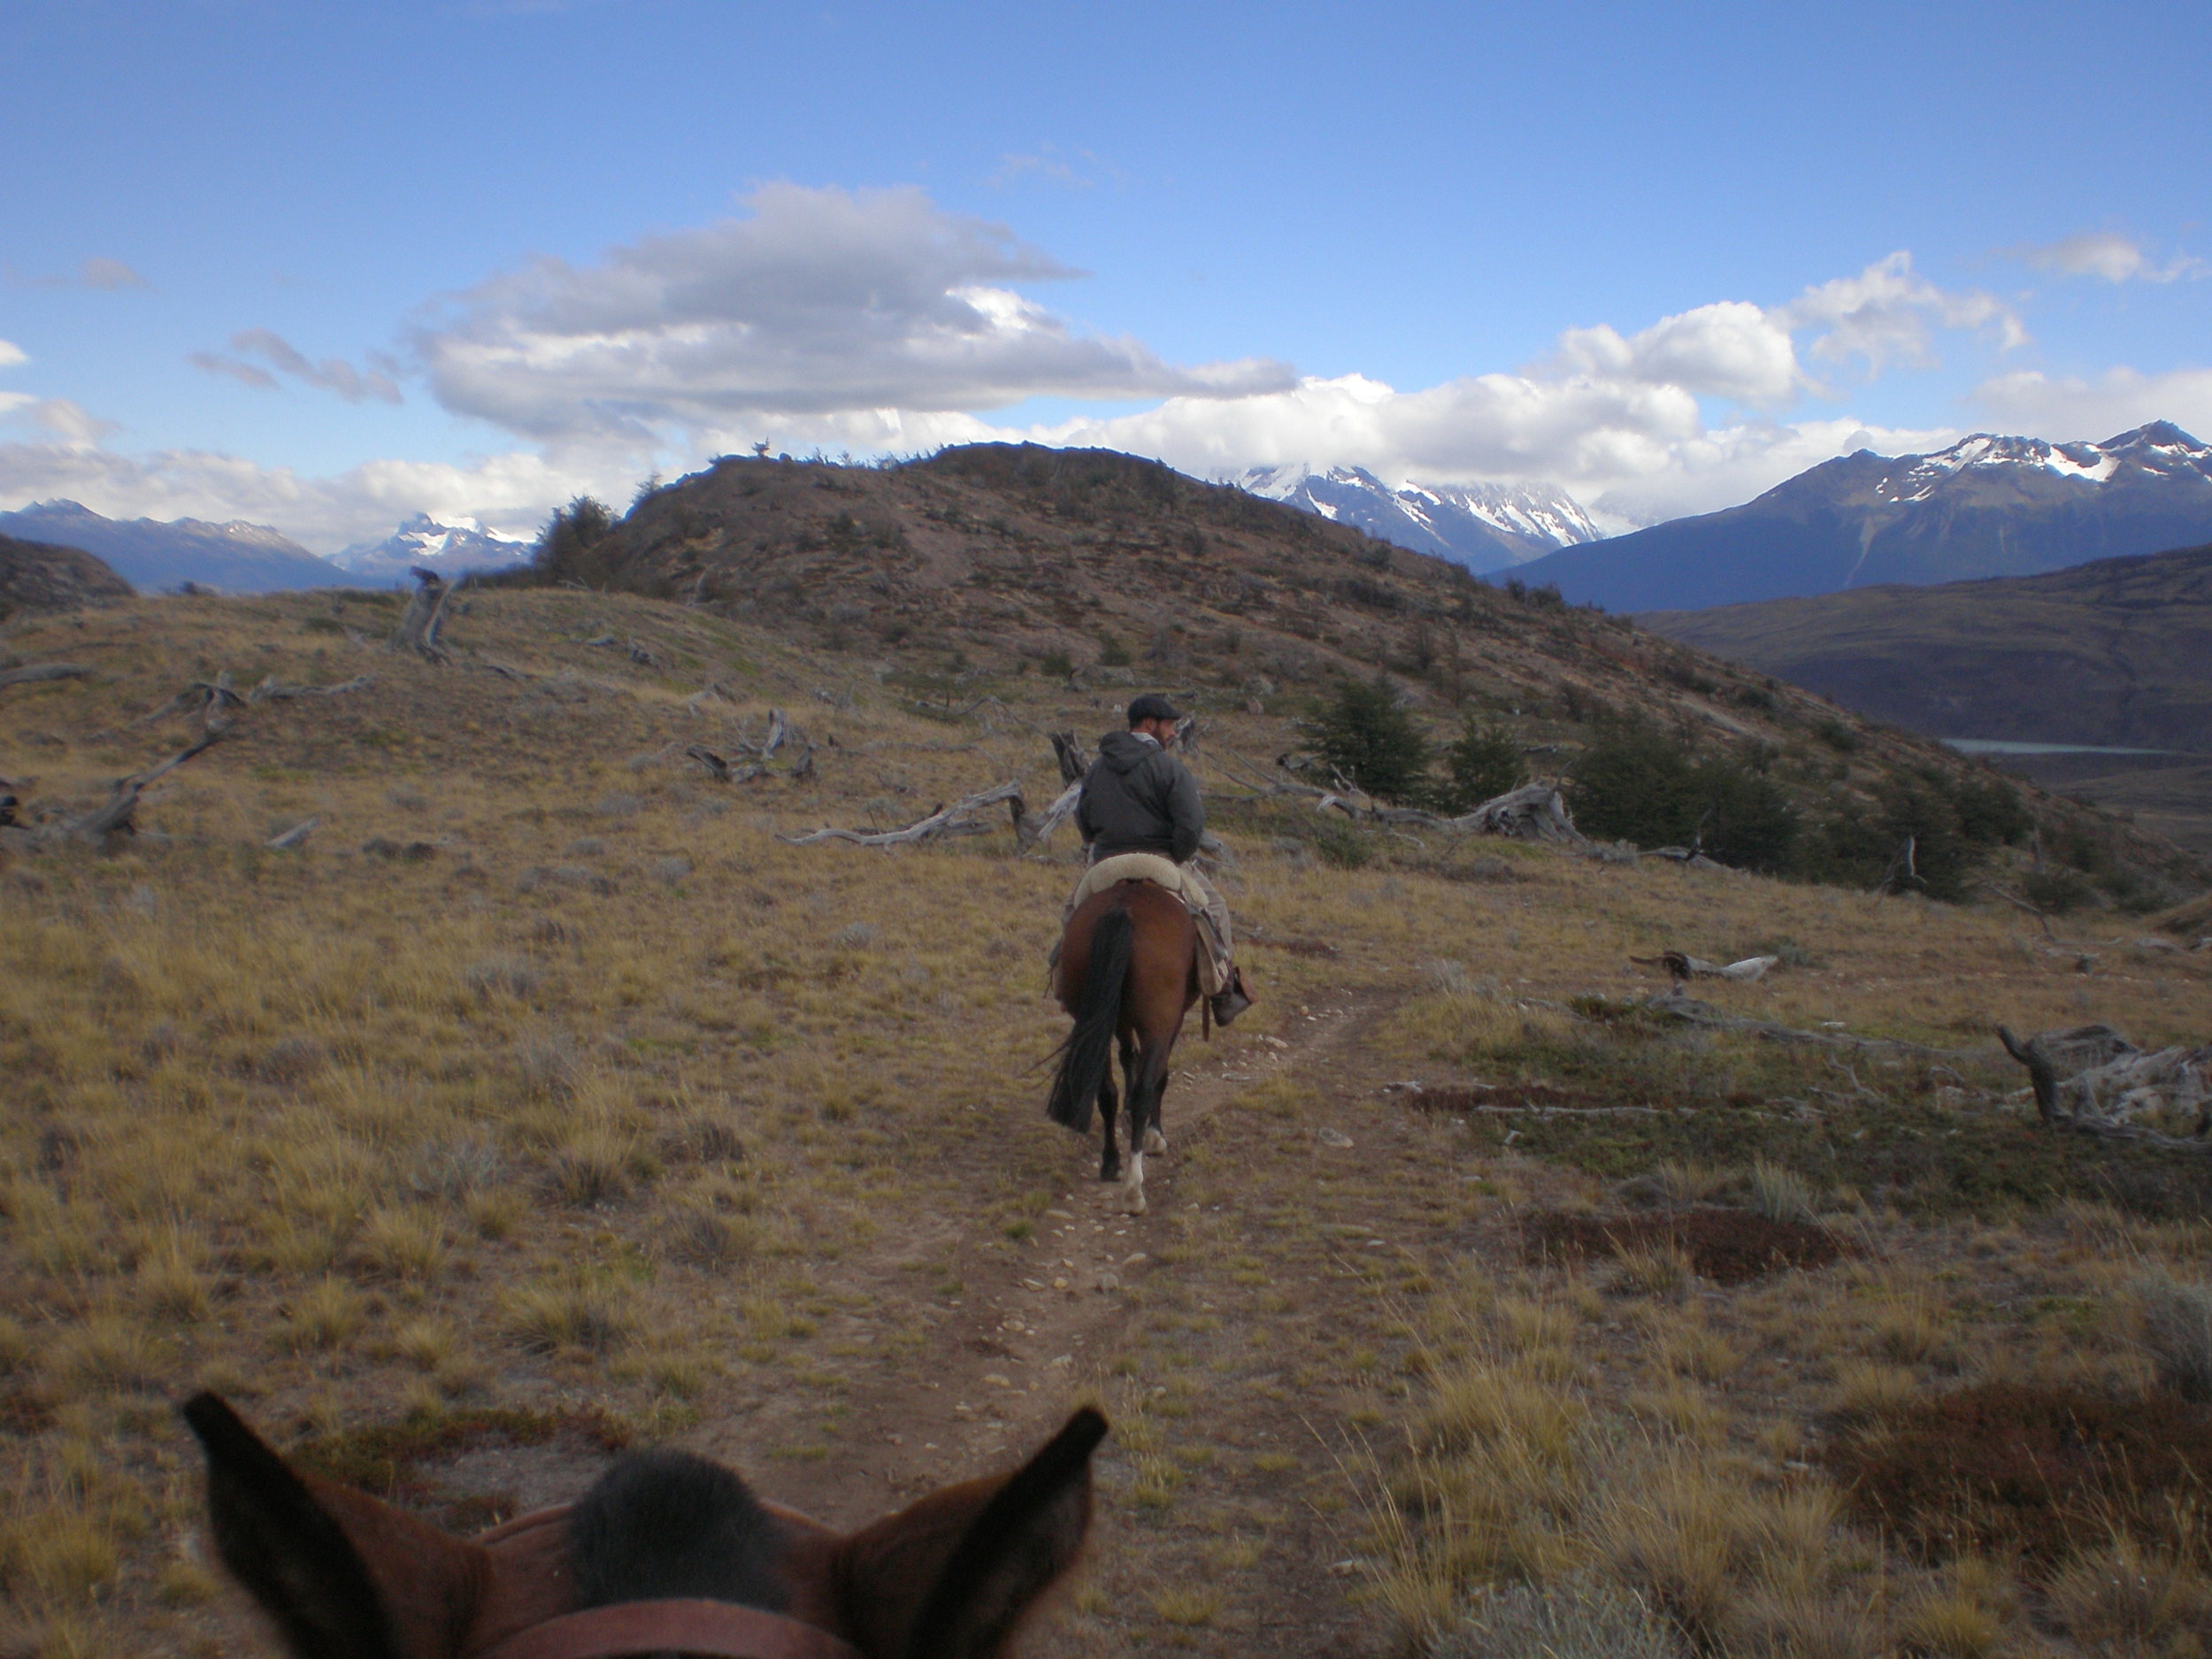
point(667, 1553)
point(1128, 973)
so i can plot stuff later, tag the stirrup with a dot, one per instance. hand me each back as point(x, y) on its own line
point(1232, 1000)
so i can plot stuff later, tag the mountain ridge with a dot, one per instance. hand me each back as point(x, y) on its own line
point(1988, 505)
point(152, 554)
point(1485, 527)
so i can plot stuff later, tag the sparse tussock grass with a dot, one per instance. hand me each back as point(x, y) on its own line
point(2176, 1323)
point(351, 1135)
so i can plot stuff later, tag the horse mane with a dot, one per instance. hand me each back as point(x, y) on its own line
point(668, 1525)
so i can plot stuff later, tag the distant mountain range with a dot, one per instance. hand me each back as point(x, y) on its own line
point(1987, 506)
point(448, 549)
point(252, 558)
point(1484, 526)
point(237, 557)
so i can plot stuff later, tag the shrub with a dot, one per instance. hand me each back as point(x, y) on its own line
point(1365, 735)
point(1580, 1618)
point(1343, 846)
point(2177, 1331)
point(2057, 891)
point(577, 545)
point(1637, 784)
point(1483, 764)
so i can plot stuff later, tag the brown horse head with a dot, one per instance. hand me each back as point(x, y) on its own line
point(667, 1553)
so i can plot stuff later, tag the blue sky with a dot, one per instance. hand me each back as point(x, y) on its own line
point(321, 265)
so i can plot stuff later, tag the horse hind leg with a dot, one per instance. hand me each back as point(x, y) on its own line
point(1108, 1109)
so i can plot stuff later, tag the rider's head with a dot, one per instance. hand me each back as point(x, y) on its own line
point(1154, 715)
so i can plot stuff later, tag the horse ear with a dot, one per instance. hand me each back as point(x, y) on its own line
point(952, 1576)
point(343, 1575)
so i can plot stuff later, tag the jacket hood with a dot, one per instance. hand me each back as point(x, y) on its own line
point(1123, 750)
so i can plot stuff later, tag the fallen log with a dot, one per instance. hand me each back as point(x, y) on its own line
point(1030, 831)
point(116, 817)
point(288, 840)
point(1674, 1004)
point(40, 674)
point(1683, 966)
point(2169, 1079)
point(271, 691)
point(956, 819)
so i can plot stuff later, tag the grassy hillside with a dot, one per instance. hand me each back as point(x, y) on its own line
point(2115, 654)
point(970, 573)
point(544, 1100)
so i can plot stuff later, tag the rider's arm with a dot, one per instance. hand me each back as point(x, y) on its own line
point(1186, 812)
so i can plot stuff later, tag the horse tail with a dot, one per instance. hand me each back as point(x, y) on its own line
point(1089, 1048)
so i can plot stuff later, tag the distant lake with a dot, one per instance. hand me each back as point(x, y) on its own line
point(2002, 746)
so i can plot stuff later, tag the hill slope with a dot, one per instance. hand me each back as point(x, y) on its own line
point(236, 557)
point(2112, 654)
point(1987, 506)
point(38, 576)
point(957, 575)
point(544, 1097)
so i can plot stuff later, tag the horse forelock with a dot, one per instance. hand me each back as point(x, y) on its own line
point(668, 1525)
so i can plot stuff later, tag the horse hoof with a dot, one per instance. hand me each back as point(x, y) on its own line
point(1154, 1142)
point(1133, 1204)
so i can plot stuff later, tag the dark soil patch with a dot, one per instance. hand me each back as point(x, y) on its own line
point(399, 1461)
point(2007, 1466)
point(1729, 1247)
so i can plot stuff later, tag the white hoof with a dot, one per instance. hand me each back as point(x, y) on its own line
point(1154, 1142)
point(1132, 1186)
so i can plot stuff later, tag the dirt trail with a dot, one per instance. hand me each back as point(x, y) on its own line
point(1241, 1333)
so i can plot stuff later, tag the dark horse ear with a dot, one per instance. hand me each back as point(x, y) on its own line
point(344, 1576)
point(952, 1576)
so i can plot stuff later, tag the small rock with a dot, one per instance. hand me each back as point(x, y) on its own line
point(1109, 1281)
point(1134, 1259)
point(1333, 1138)
point(993, 1379)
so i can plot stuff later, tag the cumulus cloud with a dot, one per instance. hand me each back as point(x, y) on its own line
point(11, 354)
point(2109, 255)
point(2118, 400)
point(331, 374)
point(1732, 350)
point(1886, 316)
point(819, 301)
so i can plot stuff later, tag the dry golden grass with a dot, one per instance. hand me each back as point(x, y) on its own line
point(613, 1094)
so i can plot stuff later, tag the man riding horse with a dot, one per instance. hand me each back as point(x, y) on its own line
point(1139, 799)
point(1146, 936)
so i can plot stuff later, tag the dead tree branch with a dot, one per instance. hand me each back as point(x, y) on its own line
point(2113, 1069)
point(957, 820)
point(116, 817)
point(39, 673)
point(1674, 1004)
point(419, 624)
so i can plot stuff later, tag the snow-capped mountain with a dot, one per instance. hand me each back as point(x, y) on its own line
point(1484, 526)
point(236, 557)
point(448, 549)
point(1987, 506)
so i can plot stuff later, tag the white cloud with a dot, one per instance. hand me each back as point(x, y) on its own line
point(819, 301)
point(1732, 349)
point(331, 374)
point(509, 492)
point(2109, 255)
point(2116, 401)
point(11, 354)
point(1886, 315)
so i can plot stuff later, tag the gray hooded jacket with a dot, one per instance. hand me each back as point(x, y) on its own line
point(1138, 798)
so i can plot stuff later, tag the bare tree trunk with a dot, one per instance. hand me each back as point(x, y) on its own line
point(419, 624)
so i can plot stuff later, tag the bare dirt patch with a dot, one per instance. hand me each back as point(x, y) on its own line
point(1729, 1247)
